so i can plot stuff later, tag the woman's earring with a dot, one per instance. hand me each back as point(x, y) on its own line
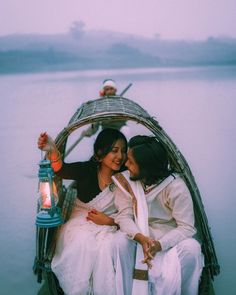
point(95, 159)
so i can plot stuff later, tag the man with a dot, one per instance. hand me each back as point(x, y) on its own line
point(164, 221)
point(108, 89)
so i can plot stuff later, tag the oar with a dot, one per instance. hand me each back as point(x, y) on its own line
point(126, 89)
point(73, 145)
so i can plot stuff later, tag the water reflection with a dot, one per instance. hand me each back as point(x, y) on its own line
point(195, 107)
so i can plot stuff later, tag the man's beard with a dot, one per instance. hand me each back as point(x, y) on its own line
point(135, 177)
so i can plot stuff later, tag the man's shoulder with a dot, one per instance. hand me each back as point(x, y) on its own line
point(175, 180)
point(122, 176)
point(177, 186)
point(178, 179)
point(123, 182)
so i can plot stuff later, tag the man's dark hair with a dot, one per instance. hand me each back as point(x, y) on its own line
point(151, 157)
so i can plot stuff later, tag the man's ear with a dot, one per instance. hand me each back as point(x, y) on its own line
point(101, 93)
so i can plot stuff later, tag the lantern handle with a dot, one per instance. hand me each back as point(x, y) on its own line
point(43, 155)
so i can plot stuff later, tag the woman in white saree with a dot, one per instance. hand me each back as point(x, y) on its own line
point(92, 256)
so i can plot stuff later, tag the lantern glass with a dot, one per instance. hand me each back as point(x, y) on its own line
point(45, 194)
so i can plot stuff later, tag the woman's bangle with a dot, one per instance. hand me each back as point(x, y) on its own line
point(57, 159)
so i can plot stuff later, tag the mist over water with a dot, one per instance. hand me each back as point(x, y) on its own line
point(195, 106)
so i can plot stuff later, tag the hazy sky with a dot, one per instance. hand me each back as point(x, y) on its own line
point(172, 19)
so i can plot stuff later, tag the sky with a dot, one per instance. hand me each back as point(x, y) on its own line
point(168, 19)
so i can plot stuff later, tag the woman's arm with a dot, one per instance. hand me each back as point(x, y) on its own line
point(100, 218)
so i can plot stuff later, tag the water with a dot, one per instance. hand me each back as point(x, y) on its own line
point(196, 107)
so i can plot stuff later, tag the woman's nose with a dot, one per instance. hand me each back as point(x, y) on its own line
point(119, 155)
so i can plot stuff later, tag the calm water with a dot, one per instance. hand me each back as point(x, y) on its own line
point(196, 107)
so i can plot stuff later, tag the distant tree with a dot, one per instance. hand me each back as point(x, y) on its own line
point(157, 36)
point(211, 39)
point(77, 29)
point(123, 49)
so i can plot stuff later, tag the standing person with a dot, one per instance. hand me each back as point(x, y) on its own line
point(91, 254)
point(108, 89)
point(164, 221)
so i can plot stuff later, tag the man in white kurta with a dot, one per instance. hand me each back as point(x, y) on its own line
point(164, 225)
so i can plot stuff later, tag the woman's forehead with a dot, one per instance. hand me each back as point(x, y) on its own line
point(119, 142)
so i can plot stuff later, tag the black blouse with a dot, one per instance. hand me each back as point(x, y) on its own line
point(85, 175)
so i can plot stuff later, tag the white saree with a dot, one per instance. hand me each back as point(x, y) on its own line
point(90, 258)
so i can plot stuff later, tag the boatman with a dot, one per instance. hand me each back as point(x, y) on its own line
point(108, 89)
point(168, 259)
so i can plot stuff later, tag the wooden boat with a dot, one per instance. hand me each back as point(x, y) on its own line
point(108, 110)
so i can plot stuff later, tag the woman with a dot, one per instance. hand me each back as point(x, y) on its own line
point(92, 256)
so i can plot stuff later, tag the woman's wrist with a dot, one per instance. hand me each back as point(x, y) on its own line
point(53, 155)
point(111, 221)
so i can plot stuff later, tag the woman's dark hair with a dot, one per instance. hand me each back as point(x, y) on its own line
point(151, 158)
point(105, 142)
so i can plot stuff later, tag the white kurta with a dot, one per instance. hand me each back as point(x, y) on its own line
point(177, 268)
point(90, 258)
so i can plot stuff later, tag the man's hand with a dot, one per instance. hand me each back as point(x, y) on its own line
point(147, 244)
point(91, 130)
point(156, 247)
point(99, 218)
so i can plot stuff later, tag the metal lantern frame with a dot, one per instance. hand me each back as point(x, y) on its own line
point(48, 217)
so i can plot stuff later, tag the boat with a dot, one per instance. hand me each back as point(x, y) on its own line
point(103, 111)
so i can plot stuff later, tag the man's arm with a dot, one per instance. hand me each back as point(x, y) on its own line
point(93, 128)
point(179, 200)
point(125, 216)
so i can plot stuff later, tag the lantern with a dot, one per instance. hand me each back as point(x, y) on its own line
point(49, 214)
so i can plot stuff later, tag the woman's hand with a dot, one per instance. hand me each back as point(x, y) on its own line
point(45, 143)
point(99, 218)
